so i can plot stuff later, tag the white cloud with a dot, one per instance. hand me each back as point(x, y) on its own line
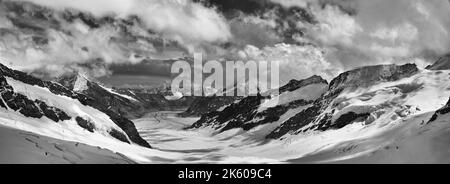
point(403, 32)
point(180, 20)
point(334, 27)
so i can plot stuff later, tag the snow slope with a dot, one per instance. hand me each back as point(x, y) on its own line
point(20, 147)
point(73, 107)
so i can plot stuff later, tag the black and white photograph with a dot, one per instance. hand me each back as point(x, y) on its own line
point(251, 82)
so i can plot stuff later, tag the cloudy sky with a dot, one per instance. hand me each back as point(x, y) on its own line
point(321, 37)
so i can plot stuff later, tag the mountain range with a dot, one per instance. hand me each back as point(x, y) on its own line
point(53, 109)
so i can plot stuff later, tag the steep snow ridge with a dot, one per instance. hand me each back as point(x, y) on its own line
point(74, 108)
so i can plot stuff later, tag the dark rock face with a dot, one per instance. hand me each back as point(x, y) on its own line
point(31, 109)
point(444, 110)
point(344, 120)
point(443, 63)
point(52, 113)
point(85, 124)
point(27, 107)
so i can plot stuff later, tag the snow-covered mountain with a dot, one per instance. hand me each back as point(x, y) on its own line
point(365, 95)
point(130, 103)
point(254, 111)
point(372, 114)
point(442, 64)
point(204, 105)
point(26, 98)
point(375, 114)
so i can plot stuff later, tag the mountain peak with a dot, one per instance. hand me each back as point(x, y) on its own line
point(370, 75)
point(81, 83)
point(443, 63)
point(75, 81)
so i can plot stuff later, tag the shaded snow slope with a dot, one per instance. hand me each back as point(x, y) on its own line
point(442, 63)
point(20, 147)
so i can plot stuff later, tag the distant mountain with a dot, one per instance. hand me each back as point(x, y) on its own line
point(204, 105)
point(314, 105)
point(130, 103)
point(443, 63)
point(32, 98)
point(332, 111)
